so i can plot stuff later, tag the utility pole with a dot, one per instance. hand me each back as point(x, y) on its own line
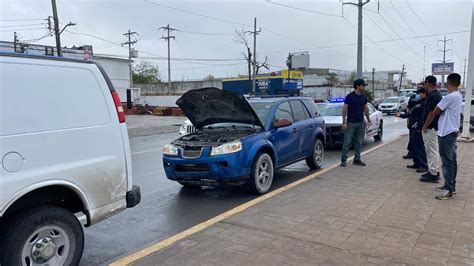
point(444, 58)
point(424, 62)
point(464, 74)
point(289, 63)
point(167, 38)
point(373, 82)
point(15, 40)
point(401, 78)
point(249, 61)
point(255, 32)
point(469, 85)
point(56, 28)
point(129, 35)
point(360, 6)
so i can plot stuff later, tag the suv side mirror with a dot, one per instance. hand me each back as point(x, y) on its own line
point(279, 123)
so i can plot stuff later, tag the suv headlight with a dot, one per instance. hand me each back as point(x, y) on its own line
point(170, 149)
point(227, 148)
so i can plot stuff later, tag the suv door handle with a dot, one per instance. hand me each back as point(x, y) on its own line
point(295, 129)
point(311, 125)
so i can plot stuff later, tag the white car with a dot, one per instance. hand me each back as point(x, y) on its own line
point(393, 105)
point(332, 114)
point(65, 157)
point(186, 128)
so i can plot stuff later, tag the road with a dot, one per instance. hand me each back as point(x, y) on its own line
point(167, 208)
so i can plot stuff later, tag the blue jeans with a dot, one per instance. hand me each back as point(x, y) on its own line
point(447, 152)
point(354, 134)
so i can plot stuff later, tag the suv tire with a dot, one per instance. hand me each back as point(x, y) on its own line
point(315, 161)
point(261, 175)
point(46, 234)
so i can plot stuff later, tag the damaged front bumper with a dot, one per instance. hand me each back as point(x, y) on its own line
point(229, 169)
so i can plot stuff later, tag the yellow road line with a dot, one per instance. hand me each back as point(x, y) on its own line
point(127, 260)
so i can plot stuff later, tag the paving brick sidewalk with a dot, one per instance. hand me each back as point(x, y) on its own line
point(380, 214)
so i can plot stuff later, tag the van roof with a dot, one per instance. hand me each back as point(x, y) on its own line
point(45, 57)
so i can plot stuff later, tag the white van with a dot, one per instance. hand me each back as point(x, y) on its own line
point(64, 154)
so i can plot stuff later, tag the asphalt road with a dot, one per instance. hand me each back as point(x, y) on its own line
point(167, 208)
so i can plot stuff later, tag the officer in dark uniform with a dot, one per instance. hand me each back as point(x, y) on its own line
point(415, 123)
point(411, 103)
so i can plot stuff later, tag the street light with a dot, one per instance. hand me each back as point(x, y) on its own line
point(67, 25)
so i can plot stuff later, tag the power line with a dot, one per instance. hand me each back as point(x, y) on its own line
point(22, 19)
point(302, 9)
point(22, 30)
point(206, 33)
point(96, 37)
point(419, 18)
point(22, 25)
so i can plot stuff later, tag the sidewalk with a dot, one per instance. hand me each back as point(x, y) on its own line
point(380, 214)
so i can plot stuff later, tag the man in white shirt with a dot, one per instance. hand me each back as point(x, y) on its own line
point(449, 109)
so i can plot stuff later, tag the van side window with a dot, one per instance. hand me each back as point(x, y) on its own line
point(50, 97)
point(284, 112)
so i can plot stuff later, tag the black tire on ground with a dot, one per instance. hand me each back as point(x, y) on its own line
point(379, 135)
point(48, 231)
point(261, 175)
point(315, 161)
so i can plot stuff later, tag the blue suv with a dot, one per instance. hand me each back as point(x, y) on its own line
point(243, 142)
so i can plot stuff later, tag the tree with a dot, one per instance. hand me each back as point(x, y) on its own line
point(146, 73)
point(332, 79)
point(352, 78)
point(209, 78)
point(369, 95)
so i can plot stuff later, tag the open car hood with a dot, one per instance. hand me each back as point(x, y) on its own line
point(211, 105)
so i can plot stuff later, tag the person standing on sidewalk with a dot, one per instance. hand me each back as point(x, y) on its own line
point(355, 106)
point(415, 119)
point(430, 137)
point(449, 109)
point(411, 103)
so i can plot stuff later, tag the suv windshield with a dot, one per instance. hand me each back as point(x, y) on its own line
point(331, 110)
point(392, 100)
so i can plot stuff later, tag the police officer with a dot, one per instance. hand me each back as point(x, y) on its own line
point(415, 123)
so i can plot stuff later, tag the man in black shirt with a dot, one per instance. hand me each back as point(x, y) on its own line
point(355, 106)
point(430, 137)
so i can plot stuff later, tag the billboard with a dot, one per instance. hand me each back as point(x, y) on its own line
point(300, 60)
point(437, 68)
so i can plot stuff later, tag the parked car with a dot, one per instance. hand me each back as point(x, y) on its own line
point(393, 105)
point(332, 114)
point(376, 103)
point(239, 141)
point(65, 154)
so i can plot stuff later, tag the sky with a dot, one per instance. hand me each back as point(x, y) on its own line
point(395, 32)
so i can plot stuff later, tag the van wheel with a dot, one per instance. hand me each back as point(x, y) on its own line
point(45, 235)
point(261, 176)
point(379, 135)
point(315, 161)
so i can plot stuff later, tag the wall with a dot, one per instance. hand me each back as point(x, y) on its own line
point(177, 88)
point(329, 92)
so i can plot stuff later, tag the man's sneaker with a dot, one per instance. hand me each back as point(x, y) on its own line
point(413, 166)
point(428, 174)
point(444, 195)
point(408, 156)
point(359, 163)
point(343, 163)
point(441, 188)
point(421, 170)
point(430, 178)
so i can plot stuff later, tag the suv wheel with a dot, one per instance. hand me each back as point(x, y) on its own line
point(379, 135)
point(45, 235)
point(261, 176)
point(315, 161)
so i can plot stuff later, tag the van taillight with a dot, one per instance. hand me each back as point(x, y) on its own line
point(118, 107)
